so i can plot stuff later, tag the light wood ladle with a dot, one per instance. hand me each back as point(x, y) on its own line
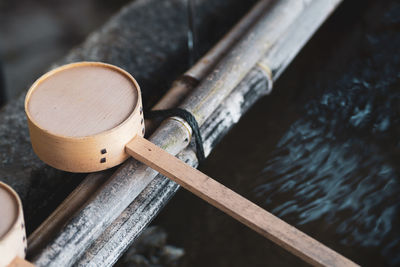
point(12, 229)
point(88, 116)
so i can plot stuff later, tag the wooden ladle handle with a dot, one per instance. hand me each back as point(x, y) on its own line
point(235, 205)
point(20, 262)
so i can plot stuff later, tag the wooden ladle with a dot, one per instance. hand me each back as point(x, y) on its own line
point(88, 116)
point(12, 229)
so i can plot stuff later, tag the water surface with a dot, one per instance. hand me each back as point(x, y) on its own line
point(322, 152)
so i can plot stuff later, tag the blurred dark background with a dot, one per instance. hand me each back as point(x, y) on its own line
point(34, 34)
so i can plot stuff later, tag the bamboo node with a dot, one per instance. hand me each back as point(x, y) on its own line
point(268, 74)
point(185, 125)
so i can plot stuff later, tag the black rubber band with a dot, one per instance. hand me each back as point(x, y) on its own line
point(189, 118)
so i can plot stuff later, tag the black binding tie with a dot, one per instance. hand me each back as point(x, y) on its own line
point(189, 118)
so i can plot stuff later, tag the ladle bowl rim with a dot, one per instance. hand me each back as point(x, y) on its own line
point(19, 209)
point(50, 73)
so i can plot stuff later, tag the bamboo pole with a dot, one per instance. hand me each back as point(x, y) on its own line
point(178, 91)
point(73, 233)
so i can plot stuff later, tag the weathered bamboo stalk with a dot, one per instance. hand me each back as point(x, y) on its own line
point(179, 90)
point(128, 226)
point(115, 193)
point(114, 241)
point(239, 61)
point(192, 77)
point(69, 206)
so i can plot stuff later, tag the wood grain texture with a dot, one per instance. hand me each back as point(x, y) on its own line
point(82, 100)
point(235, 205)
point(19, 262)
point(68, 128)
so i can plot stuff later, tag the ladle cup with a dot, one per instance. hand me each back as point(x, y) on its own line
point(12, 229)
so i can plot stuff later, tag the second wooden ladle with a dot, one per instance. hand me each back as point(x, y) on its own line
point(88, 116)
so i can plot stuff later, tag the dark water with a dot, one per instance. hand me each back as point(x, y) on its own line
point(322, 152)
